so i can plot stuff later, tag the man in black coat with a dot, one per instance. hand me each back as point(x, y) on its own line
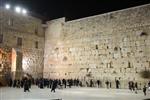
point(144, 90)
point(26, 85)
point(117, 84)
point(54, 85)
point(64, 82)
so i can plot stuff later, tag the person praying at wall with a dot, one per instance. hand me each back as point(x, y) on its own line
point(22, 83)
point(144, 90)
point(98, 83)
point(130, 85)
point(117, 84)
point(64, 82)
point(110, 84)
point(41, 83)
point(136, 87)
point(54, 85)
point(91, 83)
point(107, 84)
point(26, 85)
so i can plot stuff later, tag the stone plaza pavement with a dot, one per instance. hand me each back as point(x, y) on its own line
point(71, 94)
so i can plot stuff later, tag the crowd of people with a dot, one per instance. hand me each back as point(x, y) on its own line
point(64, 83)
point(23, 83)
point(133, 86)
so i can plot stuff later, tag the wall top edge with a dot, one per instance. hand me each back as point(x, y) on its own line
point(108, 13)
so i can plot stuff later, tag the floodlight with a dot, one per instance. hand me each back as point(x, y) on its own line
point(7, 6)
point(24, 11)
point(18, 9)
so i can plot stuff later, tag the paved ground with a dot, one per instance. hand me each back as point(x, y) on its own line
point(71, 94)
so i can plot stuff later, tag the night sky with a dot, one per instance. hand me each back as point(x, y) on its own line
point(73, 9)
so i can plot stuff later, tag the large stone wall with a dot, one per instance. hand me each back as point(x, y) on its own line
point(13, 26)
point(52, 38)
point(109, 46)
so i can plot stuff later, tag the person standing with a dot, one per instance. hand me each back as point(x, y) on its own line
point(26, 85)
point(107, 84)
point(54, 85)
point(64, 82)
point(136, 87)
point(117, 84)
point(130, 85)
point(149, 85)
point(18, 84)
point(14, 83)
point(41, 83)
point(98, 83)
point(110, 84)
point(144, 90)
point(91, 83)
point(22, 83)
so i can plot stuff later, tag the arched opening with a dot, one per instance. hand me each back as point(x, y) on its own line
point(10, 65)
point(16, 64)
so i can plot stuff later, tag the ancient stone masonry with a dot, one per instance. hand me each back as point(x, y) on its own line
point(109, 46)
point(22, 33)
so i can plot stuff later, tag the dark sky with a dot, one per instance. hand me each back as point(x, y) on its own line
point(74, 9)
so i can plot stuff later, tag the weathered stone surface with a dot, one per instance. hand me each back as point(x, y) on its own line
point(109, 46)
point(12, 26)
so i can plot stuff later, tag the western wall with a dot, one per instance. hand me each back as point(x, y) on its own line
point(108, 46)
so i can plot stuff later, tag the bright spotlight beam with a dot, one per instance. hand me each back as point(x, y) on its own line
point(24, 11)
point(18, 9)
point(7, 6)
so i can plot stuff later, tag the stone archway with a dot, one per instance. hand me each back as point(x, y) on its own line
point(10, 65)
point(5, 65)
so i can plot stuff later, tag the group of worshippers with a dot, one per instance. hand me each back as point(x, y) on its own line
point(133, 86)
point(57, 83)
point(99, 84)
point(26, 83)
